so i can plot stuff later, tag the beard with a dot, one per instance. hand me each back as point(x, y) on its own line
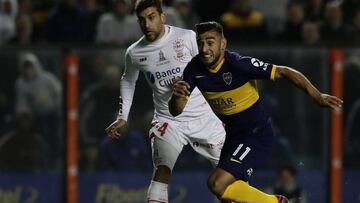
point(210, 64)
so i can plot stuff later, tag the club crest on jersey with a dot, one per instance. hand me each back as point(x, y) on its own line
point(161, 56)
point(227, 78)
point(178, 46)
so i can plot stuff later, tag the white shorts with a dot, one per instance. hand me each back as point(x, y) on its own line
point(205, 135)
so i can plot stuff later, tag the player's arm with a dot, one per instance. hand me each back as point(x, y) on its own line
point(302, 82)
point(179, 97)
point(127, 89)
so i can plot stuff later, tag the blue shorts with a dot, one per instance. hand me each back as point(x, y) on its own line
point(244, 152)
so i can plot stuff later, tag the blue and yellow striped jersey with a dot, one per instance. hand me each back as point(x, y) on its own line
point(229, 88)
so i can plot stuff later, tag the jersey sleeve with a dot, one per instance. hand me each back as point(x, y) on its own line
point(194, 48)
point(127, 87)
point(256, 69)
point(188, 77)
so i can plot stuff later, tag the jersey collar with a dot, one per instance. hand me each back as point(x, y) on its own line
point(217, 68)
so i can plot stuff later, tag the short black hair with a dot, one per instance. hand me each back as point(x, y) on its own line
point(141, 5)
point(200, 28)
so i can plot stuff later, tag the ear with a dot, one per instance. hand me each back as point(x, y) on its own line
point(223, 44)
point(163, 18)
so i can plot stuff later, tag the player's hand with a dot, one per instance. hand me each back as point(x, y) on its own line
point(330, 101)
point(181, 88)
point(112, 130)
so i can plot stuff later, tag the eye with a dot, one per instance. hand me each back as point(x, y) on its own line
point(152, 17)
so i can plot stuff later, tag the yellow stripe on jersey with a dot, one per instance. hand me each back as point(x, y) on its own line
point(232, 101)
point(273, 70)
point(217, 68)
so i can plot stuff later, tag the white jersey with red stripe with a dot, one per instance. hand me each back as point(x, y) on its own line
point(161, 62)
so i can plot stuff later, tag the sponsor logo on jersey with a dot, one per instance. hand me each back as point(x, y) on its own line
point(164, 78)
point(259, 64)
point(221, 103)
point(227, 77)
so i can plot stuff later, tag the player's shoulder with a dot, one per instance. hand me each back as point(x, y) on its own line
point(236, 57)
point(136, 45)
point(195, 64)
point(182, 31)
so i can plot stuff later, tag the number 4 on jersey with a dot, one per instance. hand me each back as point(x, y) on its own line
point(163, 128)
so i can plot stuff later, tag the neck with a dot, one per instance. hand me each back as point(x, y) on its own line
point(162, 32)
point(216, 64)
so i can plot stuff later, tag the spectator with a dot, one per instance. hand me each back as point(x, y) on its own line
point(92, 68)
point(24, 30)
point(294, 23)
point(117, 27)
point(67, 24)
point(185, 9)
point(98, 107)
point(10, 7)
point(310, 33)
point(172, 16)
point(92, 12)
point(350, 8)
point(39, 91)
point(7, 21)
point(39, 11)
point(213, 9)
point(243, 24)
point(287, 185)
point(22, 150)
point(96, 111)
point(353, 30)
point(314, 10)
point(333, 28)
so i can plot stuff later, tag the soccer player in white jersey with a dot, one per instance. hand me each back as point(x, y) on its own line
point(162, 54)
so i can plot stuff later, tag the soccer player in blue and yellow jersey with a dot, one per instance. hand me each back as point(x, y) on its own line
point(225, 79)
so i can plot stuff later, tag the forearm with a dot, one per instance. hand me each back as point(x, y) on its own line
point(299, 80)
point(127, 90)
point(177, 105)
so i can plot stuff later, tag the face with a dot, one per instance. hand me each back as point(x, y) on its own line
point(151, 23)
point(211, 48)
point(28, 71)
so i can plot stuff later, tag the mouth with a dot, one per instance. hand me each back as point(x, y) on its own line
point(148, 32)
point(206, 56)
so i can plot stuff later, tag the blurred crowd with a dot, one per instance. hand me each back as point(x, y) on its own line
point(112, 22)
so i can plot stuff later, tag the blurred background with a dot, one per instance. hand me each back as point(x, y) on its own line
point(61, 62)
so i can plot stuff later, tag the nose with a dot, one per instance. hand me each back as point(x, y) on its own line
point(204, 48)
point(147, 23)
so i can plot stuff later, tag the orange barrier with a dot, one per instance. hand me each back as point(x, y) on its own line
point(336, 61)
point(71, 170)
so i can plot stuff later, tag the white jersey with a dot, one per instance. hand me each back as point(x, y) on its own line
point(161, 61)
